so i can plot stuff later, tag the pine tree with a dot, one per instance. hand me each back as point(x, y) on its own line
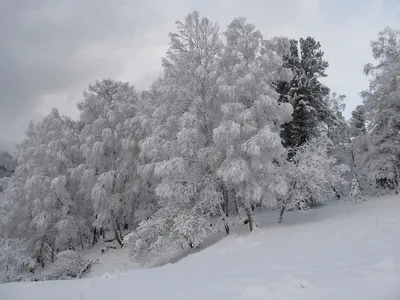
point(335, 123)
point(305, 92)
point(336, 128)
point(357, 121)
point(358, 145)
point(355, 189)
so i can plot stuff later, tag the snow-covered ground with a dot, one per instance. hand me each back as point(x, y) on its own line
point(111, 263)
point(341, 251)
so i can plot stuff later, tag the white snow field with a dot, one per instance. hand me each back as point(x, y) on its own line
point(341, 251)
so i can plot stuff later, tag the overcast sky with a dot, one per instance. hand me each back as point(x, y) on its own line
point(50, 50)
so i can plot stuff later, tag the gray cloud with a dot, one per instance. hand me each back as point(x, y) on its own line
point(50, 50)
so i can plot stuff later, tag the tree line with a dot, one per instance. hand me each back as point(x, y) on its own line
point(235, 124)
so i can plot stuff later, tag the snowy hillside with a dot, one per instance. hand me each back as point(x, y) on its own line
point(341, 251)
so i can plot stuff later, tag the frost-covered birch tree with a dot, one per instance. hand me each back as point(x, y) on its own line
point(179, 150)
point(36, 202)
point(382, 104)
point(108, 147)
point(249, 133)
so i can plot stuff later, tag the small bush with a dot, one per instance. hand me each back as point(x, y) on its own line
point(69, 265)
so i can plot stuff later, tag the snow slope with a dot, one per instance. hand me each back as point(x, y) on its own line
point(113, 262)
point(342, 251)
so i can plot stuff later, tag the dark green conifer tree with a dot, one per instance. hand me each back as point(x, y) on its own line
point(305, 92)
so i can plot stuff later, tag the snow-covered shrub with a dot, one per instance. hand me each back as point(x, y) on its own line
point(152, 240)
point(355, 188)
point(311, 176)
point(130, 239)
point(69, 265)
point(12, 259)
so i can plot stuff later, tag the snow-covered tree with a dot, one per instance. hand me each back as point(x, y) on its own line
point(335, 123)
point(310, 176)
point(36, 200)
point(337, 129)
point(179, 151)
point(248, 135)
point(109, 149)
point(13, 259)
point(357, 121)
point(382, 104)
point(208, 140)
point(305, 92)
point(354, 189)
point(358, 146)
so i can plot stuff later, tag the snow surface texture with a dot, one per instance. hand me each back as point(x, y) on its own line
point(341, 251)
point(111, 263)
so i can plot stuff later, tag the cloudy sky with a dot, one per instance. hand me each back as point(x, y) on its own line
point(50, 50)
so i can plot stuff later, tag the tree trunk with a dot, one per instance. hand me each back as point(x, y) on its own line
point(190, 243)
point(249, 214)
point(81, 240)
point(236, 206)
point(226, 225)
point(52, 250)
point(226, 200)
point(353, 158)
point(119, 232)
point(94, 236)
point(395, 186)
point(121, 236)
point(281, 213)
point(118, 238)
point(40, 256)
point(70, 247)
point(337, 194)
